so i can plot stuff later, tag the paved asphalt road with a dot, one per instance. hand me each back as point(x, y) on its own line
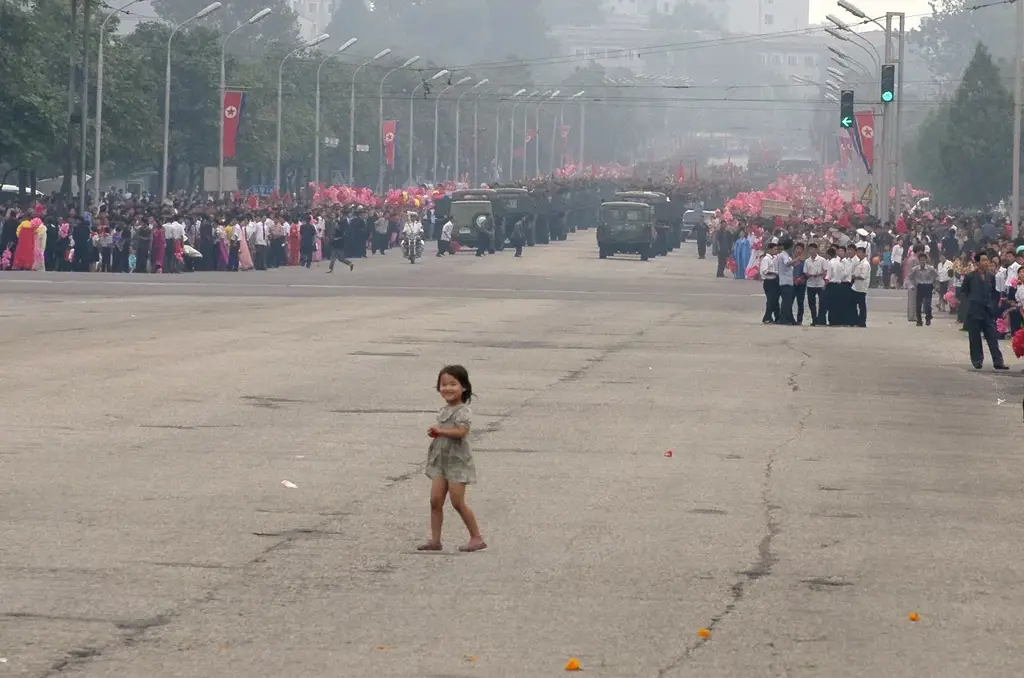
point(825, 483)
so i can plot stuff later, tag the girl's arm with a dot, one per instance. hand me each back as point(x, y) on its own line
point(455, 432)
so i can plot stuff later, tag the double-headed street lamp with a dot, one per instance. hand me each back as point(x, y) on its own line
point(458, 102)
point(99, 95)
point(255, 18)
point(512, 135)
point(205, 11)
point(412, 114)
point(280, 99)
point(437, 119)
point(380, 122)
point(316, 151)
point(352, 114)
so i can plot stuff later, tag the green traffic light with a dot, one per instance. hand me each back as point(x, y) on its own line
point(886, 97)
point(846, 122)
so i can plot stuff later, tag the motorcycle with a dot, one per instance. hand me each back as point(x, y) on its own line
point(412, 245)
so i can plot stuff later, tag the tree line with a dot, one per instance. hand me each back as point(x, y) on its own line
point(43, 47)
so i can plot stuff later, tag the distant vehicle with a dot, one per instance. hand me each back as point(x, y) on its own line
point(799, 166)
point(693, 217)
point(626, 228)
point(9, 194)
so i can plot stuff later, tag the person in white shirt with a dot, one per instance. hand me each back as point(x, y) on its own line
point(897, 264)
point(832, 308)
point(770, 284)
point(861, 274)
point(814, 271)
point(444, 243)
point(944, 272)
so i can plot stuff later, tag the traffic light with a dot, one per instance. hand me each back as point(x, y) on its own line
point(846, 118)
point(888, 83)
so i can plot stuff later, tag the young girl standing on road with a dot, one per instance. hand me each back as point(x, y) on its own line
point(450, 460)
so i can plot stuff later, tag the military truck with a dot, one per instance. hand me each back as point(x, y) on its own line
point(551, 206)
point(516, 204)
point(443, 208)
point(663, 217)
point(466, 215)
point(626, 227)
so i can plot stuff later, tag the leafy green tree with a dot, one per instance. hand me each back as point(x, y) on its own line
point(945, 40)
point(32, 105)
point(964, 151)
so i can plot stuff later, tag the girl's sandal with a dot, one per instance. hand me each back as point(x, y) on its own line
point(428, 547)
point(470, 548)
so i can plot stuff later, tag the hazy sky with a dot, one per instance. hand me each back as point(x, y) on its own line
point(819, 8)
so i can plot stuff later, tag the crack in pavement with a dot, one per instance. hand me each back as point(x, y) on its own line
point(766, 557)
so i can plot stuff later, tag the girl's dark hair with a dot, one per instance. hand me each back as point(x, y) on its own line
point(459, 374)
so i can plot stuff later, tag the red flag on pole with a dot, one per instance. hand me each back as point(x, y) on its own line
point(866, 130)
point(388, 134)
point(232, 112)
point(680, 173)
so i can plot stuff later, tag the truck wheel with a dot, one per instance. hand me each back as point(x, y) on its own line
point(645, 254)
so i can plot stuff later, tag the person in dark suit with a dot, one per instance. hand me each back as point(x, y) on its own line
point(700, 232)
point(723, 245)
point(979, 291)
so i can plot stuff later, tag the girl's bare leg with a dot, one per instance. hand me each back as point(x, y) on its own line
point(438, 491)
point(457, 492)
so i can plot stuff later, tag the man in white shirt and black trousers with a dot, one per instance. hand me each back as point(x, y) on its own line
point(861, 274)
point(831, 312)
point(814, 272)
point(770, 284)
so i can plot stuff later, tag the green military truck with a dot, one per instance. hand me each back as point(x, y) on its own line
point(626, 227)
point(469, 217)
point(663, 217)
point(443, 208)
point(551, 206)
point(516, 204)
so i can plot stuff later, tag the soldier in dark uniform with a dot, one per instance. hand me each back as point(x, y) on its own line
point(723, 244)
point(701, 233)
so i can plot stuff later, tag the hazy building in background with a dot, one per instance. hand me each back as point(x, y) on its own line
point(314, 16)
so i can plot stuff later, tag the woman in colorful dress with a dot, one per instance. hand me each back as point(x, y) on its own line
point(40, 252)
point(25, 253)
point(294, 244)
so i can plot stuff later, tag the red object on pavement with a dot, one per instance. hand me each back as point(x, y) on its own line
point(668, 454)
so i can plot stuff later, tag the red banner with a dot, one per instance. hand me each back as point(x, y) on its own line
point(529, 135)
point(232, 112)
point(388, 134)
point(845, 151)
point(866, 129)
point(565, 132)
point(680, 173)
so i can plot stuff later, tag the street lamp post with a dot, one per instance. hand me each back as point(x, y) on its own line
point(526, 125)
point(1018, 90)
point(380, 123)
point(352, 114)
point(497, 134)
point(258, 16)
point(280, 100)
point(458, 104)
point(209, 9)
point(412, 115)
point(437, 119)
point(99, 96)
point(316, 151)
point(547, 95)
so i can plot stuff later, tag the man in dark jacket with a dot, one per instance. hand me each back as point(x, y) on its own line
point(979, 292)
point(700, 232)
point(340, 240)
point(723, 245)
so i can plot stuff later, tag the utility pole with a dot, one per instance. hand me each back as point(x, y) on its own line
point(1017, 102)
point(82, 203)
point(897, 151)
point(69, 149)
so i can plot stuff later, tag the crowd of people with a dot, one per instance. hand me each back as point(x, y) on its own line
point(143, 236)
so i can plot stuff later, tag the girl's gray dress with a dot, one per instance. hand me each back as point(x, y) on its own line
point(452, 459)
